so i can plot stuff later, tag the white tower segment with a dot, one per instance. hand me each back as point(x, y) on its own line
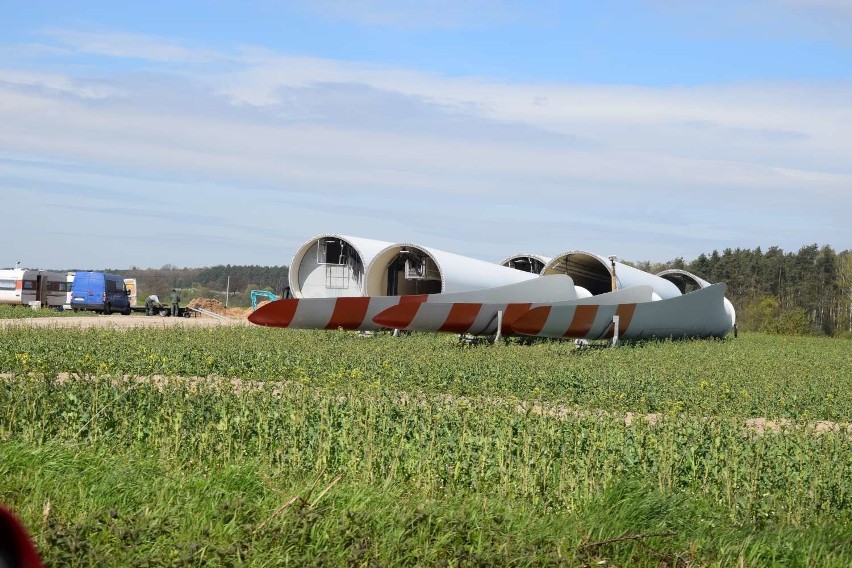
point(407, 268)
point(688, 282)
point(595, 273)
point(332, 266)
point(528, 262)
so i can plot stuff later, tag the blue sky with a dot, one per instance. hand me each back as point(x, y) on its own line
point(200, 133)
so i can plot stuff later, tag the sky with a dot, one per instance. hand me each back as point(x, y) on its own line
point(202, 133)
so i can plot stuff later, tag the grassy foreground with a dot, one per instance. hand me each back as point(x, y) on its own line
point(338, 450)
point(8, 311)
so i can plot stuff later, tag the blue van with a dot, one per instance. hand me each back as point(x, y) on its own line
point(101, 292)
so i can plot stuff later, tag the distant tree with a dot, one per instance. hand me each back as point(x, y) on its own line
point(677, 263)
point(767, 315)
point(844, 300)
point(827, 276)
point(701, 267)
point(212, 280)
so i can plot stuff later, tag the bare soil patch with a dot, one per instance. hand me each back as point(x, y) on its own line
point(120, 322)
point(217, 307)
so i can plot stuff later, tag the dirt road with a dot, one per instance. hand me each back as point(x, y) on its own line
point(118, 321)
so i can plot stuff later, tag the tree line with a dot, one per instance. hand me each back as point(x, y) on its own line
point(806, 292)
point(209, 282)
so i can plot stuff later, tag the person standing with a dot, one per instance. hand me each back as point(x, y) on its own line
point(175, 302)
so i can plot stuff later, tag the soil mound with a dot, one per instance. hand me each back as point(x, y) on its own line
point(208, 304)
point(217, 307)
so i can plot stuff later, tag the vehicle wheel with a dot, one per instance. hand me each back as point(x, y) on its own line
point(126, 312)
point(107, 309)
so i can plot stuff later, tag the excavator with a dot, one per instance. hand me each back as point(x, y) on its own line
point(257, 294)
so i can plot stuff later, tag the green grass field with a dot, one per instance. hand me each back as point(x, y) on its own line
point(244, 445)
point(11, 311)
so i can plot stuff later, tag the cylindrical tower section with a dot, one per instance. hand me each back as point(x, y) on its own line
point(527, 262)
point(599, 274)
point(407, 268)
point(332, 266)
point(688, 282)
point(685, 281)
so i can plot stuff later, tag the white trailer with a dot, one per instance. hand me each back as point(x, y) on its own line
point(25, 285)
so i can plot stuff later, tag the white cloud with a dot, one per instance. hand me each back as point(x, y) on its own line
point(783, 124)
point(127, 45)
point(399, 154)
point(58, 82)
point(367, 151)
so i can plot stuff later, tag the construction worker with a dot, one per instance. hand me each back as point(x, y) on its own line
point(175, 302)
point(150, 302)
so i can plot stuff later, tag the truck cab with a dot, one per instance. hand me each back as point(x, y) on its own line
point(100, 292)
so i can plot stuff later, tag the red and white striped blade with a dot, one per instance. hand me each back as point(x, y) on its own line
point(354, 313)
point(458, 317)
point(481, 318)
point(590, 321)
point(359, 312)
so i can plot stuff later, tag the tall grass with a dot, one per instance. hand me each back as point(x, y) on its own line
point(13, 311)
point(754, 375)
point(99, 506)
point(435, 444)
point(332, 449)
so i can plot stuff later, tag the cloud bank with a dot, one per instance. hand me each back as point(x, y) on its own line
point(262, 150)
